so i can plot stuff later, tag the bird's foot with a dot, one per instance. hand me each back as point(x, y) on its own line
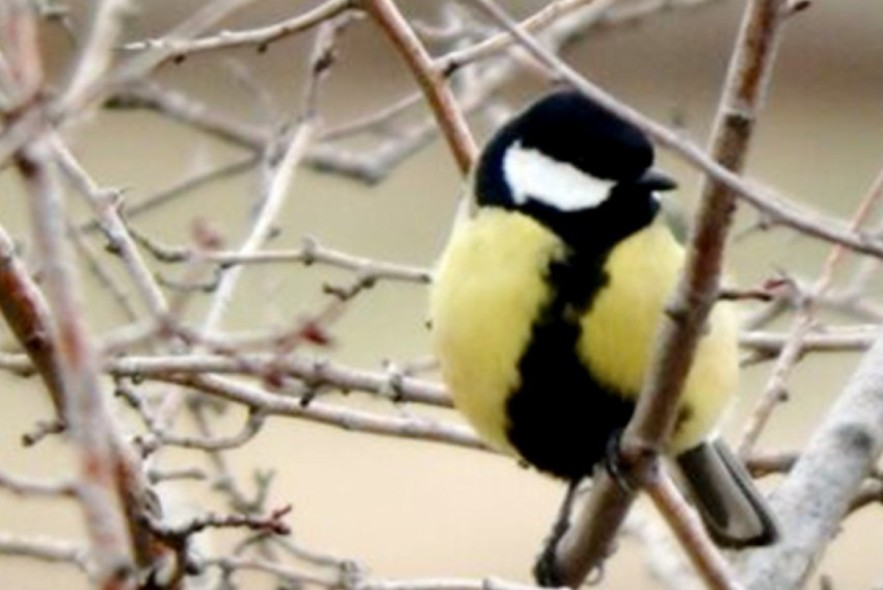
point(614, 465)
point(546, 569)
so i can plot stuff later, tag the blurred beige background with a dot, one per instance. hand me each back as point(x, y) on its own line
point(408, 509)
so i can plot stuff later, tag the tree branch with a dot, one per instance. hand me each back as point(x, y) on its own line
point(819, 489)
point(801, 326)
point(331, 414)
point(586, 544)
point(432, 82)
point(27, 315)
point(176, 49)
point(87, 416)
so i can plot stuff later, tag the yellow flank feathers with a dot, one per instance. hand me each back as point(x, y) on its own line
point(619, 331)
point(489, 274)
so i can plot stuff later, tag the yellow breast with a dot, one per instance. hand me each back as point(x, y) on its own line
point(486, 292)
point(619, 331)
point(490, 285)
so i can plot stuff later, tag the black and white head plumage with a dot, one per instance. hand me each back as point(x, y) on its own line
point(568, 162)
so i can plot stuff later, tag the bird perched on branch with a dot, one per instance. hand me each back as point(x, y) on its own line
point(548, 297)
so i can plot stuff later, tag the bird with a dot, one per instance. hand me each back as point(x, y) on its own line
point(547, 297)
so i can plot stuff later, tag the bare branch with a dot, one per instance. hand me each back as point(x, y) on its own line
point(179, 106)
point(44, 549)
point(379, 120)
point(283, 572)
point(317, 372)
point(818, 491)
point(271, 523)
point(801, 326)
point(441, 99)
point(277, 191)
point(183, 187)
point(175, 49)
point(311, 252)
point(96, 52)
point(86, 414)
point(330, 414)
point(105, 205)
point(139, 65)
point(826, 340)
point(27, 487)
point(546, 16)
point(95, 263)
point(443, 584)
point(160, 438)
point(28, 316)
point(313, 371)
point(685, 524)
point(21, 70)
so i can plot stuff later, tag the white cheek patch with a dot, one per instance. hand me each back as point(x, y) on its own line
point(531, 174)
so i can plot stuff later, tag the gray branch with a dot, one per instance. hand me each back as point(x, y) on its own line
point(817, 493)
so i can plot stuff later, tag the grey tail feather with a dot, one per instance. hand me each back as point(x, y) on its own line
point(732, 508)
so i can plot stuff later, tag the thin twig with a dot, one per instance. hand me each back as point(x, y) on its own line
point(105, 205)
point(185, 186)
point(45, 549)
point(177, 49)
point(314, 371)
point(454, 60)
point(139, 65)
point(95, 263)
point(687, 527)
point(277, 191)
point(34, 488)
point(160, 438)
point(271, 523)
point(314, 253)
point(443, 584)
point(826, 340)
point(177, 105)
point(311, 252)
point(447, 114)
point(96, 53)
point(801, 325)
point(376, 122)
point(331, 414)
point(288, 574)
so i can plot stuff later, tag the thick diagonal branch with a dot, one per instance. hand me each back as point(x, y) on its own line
point(27, 315)
point(818, 491)
point(586, 544)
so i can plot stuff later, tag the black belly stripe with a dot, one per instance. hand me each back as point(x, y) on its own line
point(561, 418)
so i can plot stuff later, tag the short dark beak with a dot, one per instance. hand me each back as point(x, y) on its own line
point(655, 181)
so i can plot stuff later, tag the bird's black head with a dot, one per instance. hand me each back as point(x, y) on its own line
point(575, 167)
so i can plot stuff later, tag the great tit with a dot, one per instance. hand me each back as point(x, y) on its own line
point(547, 299)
